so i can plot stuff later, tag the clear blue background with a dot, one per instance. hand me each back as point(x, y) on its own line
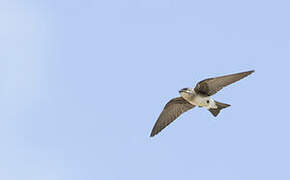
point(83, 82)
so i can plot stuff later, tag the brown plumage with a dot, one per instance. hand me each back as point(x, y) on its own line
point(208, 87)
point(213, 85)
point(174, 108)
point(217, 110)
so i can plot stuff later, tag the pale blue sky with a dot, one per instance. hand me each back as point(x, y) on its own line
point(82, 82)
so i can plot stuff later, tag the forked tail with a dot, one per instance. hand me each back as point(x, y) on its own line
point(220, 106)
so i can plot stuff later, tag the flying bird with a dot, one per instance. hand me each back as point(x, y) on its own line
point(199, 96)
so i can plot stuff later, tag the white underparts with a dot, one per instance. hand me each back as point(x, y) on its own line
point(197, 100)
point(206, 102)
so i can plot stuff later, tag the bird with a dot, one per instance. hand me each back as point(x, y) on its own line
point(199, 96)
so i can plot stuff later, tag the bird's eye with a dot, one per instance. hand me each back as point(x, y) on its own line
point(207, 101)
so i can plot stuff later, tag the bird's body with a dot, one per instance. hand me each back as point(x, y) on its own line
point(198, 96)
point(197, 99)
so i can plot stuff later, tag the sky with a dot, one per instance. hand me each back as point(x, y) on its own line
point(82, 83)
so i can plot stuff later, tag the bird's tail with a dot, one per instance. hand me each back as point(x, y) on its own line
point(220, 106)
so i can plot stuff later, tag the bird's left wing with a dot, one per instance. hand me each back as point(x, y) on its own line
point(174, 108)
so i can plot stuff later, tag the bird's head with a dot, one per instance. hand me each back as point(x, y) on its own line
point(186, 91)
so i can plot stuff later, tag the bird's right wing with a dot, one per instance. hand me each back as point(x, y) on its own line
point(174, 108)
point(213, 85)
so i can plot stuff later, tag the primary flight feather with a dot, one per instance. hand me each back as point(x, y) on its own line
point(198, 96)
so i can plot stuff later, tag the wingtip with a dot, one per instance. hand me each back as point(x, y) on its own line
point(251, 71)
point(152, 134)
point(248, 72)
